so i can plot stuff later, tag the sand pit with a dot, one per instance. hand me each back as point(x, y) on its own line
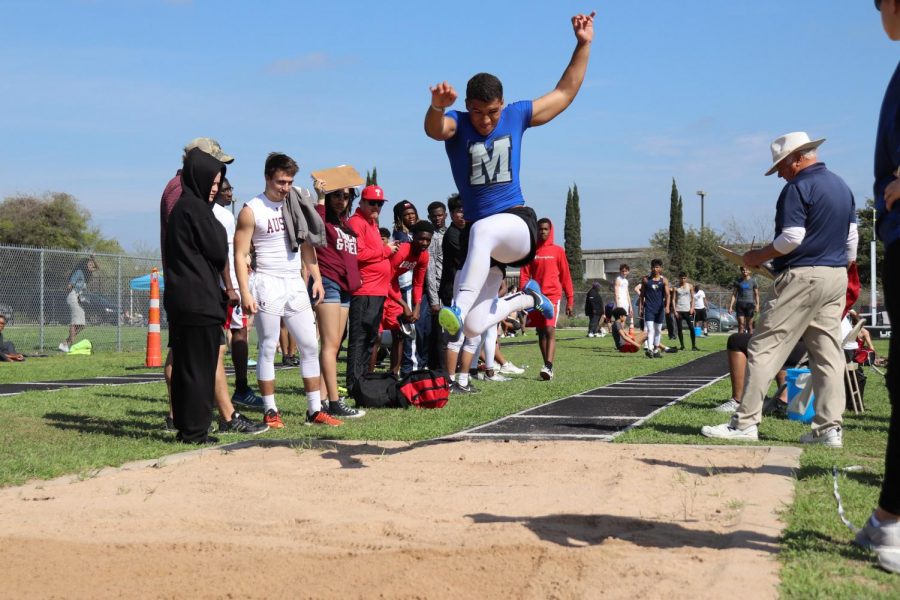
point(392, 520)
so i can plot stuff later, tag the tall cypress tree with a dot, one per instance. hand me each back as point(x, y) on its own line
point(573, 235)
point(368, 178)
point(676, 231)
point(374, 175)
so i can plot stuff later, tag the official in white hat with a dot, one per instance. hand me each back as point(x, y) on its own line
point(815, 243)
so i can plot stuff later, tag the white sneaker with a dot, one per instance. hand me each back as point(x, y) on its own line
point(497, 377)
point(601, 334)
point(876, 537)
point(726, 432)
point(63, 347)
point(510, 369)
point(728, 407)
point(832, 438)
point(590, 335)
point(546, 373)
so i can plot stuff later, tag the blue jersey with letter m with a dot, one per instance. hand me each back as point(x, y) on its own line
point(486, 169)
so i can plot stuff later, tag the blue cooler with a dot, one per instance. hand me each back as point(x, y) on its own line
point(698, 331)
point(798, 410)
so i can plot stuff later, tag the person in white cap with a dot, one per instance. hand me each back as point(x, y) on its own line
point(815, 241)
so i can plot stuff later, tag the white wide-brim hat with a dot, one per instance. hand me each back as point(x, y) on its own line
point(796, 141)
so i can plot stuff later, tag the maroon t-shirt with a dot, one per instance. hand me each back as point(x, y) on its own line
point(170, 196)
point(337, 259)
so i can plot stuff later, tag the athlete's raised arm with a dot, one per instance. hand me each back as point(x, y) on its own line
point(437, 126)
point(545, 108)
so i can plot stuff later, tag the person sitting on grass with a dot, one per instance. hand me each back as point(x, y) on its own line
point(737, 366)
point(625, 341)
point(8, 349)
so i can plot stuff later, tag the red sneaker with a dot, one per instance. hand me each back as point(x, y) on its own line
point(272, 418)
point(320, 417)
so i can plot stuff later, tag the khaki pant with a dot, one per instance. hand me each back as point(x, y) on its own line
point(806, 302)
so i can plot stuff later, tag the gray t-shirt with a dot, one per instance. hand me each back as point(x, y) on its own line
point(683, 298)
point(744, 289)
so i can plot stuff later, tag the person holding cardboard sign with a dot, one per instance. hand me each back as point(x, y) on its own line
point(484, 146)
point(339, 267)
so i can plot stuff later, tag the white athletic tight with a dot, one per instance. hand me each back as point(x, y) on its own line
point(505, 238)
point(654, 334)
point(490, 346)
point(302, 326)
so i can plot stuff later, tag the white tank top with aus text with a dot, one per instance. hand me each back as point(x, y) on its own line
point(273, 255)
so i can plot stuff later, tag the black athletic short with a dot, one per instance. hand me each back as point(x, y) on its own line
point(739, 342)
point(745, 309)
point(527, 214)
point(700, 315)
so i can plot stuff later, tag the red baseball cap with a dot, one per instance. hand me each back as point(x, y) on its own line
point(374, 193)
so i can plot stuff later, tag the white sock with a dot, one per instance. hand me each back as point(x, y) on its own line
point(314, 401)
point(453, 377)
point(463, 379)
point(269, 402)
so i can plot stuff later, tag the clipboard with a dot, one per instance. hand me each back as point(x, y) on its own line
point(337, 178)
point(738, 260)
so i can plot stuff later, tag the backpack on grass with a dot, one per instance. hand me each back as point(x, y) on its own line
point(425, 388)
point(377, 390)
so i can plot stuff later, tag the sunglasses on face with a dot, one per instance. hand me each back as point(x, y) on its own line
point(378, 203)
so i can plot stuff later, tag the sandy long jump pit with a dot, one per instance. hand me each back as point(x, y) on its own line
point(391, 520)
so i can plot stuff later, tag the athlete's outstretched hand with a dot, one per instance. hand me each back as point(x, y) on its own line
point(443, 95)
point(583, 25)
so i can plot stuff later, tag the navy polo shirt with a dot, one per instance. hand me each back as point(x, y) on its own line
point(887, 159)
point(821, 202)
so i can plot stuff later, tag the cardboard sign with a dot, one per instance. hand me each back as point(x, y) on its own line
point(738, 259)
point(338, 178)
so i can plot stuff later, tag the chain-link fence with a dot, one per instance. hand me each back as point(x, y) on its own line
point(716, 297)
point(40, 289)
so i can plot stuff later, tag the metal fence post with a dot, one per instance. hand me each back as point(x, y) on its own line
point(119, 303)
point(42, 301)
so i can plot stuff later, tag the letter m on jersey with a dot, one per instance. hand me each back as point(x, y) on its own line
point(491, 166)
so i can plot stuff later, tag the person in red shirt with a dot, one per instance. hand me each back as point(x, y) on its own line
point(550, 268)
point(411, 256)
point(367, 302)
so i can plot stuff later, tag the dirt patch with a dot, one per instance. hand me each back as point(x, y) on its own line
point(441, 520)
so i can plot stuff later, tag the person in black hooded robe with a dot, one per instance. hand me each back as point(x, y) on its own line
point(196, 253)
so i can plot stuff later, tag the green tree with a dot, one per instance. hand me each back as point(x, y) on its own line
point(702, 261)
point(54, 220)
point(865, 218)
point(676, 242)
point(572, 234)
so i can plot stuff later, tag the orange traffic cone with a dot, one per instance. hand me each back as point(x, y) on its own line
point(154, 346)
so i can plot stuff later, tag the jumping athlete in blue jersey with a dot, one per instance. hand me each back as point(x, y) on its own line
point(484, 146)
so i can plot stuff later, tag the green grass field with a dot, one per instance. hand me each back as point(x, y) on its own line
point(47, 434)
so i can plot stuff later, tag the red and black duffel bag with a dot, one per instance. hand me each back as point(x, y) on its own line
point(425, 388)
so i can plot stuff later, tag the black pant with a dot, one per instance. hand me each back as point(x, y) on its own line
point(670, 324)
point(890, 488)
point(685, 316)
point(364, 321)
point(195, 355)
point(594, 322)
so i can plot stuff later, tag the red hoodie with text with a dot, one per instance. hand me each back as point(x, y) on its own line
point(550, 268)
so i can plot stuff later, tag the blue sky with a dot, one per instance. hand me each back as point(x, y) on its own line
point(98, 97)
